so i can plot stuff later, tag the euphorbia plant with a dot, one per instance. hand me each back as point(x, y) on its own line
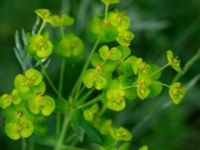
point(110, 77)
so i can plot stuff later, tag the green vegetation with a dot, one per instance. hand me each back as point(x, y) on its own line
point(85, 84)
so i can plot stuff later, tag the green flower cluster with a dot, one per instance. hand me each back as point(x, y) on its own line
point(107, 129)
point(26, 105)
point(113, 27)
point(54, 20)
point(120, 76)
point(111, 71)
point(114, 135)
point(67, 46)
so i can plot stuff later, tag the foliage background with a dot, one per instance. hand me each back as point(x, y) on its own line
point(158, 25)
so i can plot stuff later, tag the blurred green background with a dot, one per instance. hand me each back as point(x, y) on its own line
point(159, 25)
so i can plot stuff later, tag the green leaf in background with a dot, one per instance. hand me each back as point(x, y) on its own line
point(79, 123)
point(76, 124)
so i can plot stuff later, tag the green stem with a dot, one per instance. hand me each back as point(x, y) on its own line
point(161, 69)
point(128, 87)
point(103, 110)
point(77, 85)
point(61, 137)
point(24, 144)
point(106, 11)
point(62, 31)
point(60, 89)
point(94, 100)
point(42, 27)
point(31, 145)
point(62, 72)
point(81, 91)
point(58, 123)
point(49, 80)
point(160, 83)
point(84, 97)
point(70, 138)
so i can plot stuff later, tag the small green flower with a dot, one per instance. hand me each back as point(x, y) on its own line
point(39, 89)
point(177, 92)
point(174, 62)
point(70, 45)
point(140, 67)
point(106, 127)
point(144, 147)
point(121, 134)
point(33, 76)
point(103, 66)
point(102, 27)
point(93, 78)
point(9, 99)
point(39, 46)
point(125, 51)
point(25, 83)
point(94, 108)
point(19, 129)
point(124, 38)
point(43, 13)
point(109, 2)
point(116, 100)
point(143, 83)
point(89, 113)
point(130, 93)
point(21, 84)
point(42, 104)
point(60, 21)
point(17, 112)
point(119, 20)
point(112, 54)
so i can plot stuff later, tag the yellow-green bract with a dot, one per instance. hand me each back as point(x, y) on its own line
point(39, 46)
point(177, 92)
point(26, 104)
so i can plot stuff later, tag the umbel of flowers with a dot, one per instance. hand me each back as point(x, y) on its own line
point(111, 71)
point(26, 105)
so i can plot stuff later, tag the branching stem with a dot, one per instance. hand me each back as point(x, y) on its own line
point(42, 27)
point(161, 69)
point(160, 83)
point(77, 85)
